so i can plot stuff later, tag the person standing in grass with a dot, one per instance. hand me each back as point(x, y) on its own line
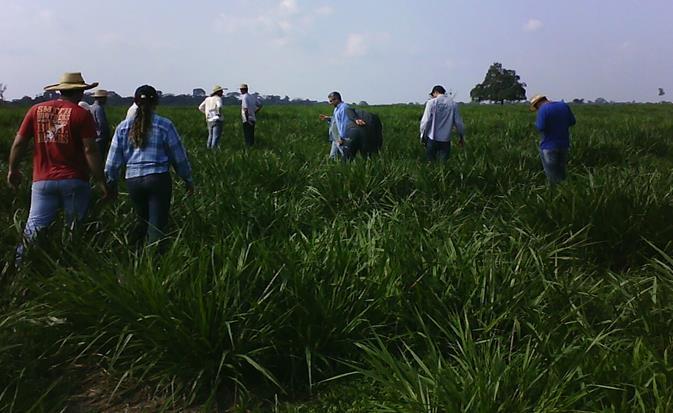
point(553, 120)
point(148, 144)
point(212, 108)
point(342, 132)
point(250, 106)
point(65, 153)
point(102, 127)
point(440, 117)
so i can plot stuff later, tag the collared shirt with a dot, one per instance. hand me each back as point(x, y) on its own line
point(131, 112)
point(102, 126)
point(163, 147)
point(340, 116)
point(440, 116)
point(212, 108)
point(251, 103)
point(554, 120)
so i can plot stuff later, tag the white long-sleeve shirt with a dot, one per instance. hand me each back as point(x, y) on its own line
point(212, 108)
point(440, 116)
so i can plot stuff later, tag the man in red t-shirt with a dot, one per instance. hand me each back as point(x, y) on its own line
point(64, 135)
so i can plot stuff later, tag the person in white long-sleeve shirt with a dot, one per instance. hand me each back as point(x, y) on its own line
point(212, 108)
point(439, 119)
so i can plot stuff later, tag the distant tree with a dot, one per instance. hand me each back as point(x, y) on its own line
point(600, 101)
point(661, 92)
point(499, 85)
point(363, 103)
point(3, 88)
point(578, 101)
point(198, 93)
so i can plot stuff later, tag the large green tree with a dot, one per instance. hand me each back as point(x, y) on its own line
point(499, 85)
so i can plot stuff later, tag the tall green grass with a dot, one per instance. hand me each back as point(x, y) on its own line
point(297, 284)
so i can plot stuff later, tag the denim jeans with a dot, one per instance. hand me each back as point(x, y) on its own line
point(102, 148)
point(249, 133)
point(46, 199)
point(554, 162)
point(151, 197)
point(336, 151)
point(435, 150)
point(214, 133)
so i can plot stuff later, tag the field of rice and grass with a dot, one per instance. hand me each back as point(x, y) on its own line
point(293, 283)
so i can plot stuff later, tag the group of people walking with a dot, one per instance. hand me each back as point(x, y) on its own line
point(71, 142)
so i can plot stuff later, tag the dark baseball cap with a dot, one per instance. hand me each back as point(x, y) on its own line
point(146, 94)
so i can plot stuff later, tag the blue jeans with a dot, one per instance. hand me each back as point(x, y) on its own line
point(554, 162)
point(151, 197)
point(214, 133)
point(46, 199)
point(336, 151)
point(435, 150)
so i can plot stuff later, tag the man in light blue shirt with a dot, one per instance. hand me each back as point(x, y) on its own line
point(97, 109)
point(339, 124)
point(440, 117)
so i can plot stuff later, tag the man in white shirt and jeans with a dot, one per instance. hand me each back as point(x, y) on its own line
point(250, 105)
point(212, 108)
point(439, 119)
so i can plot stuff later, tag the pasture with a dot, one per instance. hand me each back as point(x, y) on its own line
point(293, 283)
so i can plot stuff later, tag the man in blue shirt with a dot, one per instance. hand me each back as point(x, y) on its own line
point(345, 133)
point(554, 120)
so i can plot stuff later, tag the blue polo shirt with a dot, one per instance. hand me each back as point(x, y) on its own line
point(554, 120)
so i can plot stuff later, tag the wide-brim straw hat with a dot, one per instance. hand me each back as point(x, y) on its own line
point(217, 88)
point(100, 93)
point(535, 100)
point(71, 81)
point(243, 86)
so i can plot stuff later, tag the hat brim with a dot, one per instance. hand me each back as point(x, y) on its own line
point(71, 86)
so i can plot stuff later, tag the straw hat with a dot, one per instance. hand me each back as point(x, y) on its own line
point(217, 88)
point(71, 81)
point(243, 86)
point(100, 93)
point(535, 100)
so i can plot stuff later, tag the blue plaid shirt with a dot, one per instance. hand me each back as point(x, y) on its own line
point(162, 148)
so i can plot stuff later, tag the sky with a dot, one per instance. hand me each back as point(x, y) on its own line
point(378, 51)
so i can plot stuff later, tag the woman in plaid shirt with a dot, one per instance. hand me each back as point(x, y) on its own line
point(148, 144)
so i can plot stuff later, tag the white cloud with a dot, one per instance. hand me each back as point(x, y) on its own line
point(355, 45)
point(289, 6)
point(533, 25)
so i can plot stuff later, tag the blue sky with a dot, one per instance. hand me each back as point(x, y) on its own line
point(381, 51)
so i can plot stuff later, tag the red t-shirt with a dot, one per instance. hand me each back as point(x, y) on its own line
point(58, 128)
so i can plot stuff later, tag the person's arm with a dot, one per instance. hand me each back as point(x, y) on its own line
point(15, 154)
point(202, 107)
point(459, 125)
point(326, 118)
point(425, 120)
point(115, 160)
point(93, 160)
point(540, 121)
point(178, 157)
point(259, 104)
point(104, 127)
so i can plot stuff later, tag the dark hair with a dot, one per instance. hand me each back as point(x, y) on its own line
point(438, 88)
point(145, 98)
point(334, 95)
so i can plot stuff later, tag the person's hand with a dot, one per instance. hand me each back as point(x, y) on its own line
point(461, 142)
point(341, 142)
point(14, 179)
point(190, 189)
point(360, 122)
point(323, 116)
point(105, 191)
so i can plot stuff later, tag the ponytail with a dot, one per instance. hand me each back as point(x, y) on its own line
point(142, 124)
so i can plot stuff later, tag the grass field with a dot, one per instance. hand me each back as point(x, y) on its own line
point(297, 284)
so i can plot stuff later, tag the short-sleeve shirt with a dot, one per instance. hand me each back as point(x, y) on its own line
point(250, 102)
point(58, 128)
